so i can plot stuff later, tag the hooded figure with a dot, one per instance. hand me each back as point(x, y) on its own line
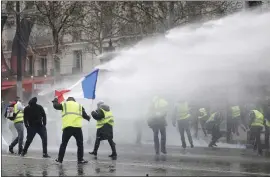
point(105, 122)
point(35, 122)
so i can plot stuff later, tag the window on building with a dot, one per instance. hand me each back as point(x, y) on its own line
point(43, 66)
point(77, 61)
point(30, 65)
point(76, 36)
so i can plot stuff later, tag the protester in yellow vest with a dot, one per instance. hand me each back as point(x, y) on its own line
point(267, 123)
point(73, 114)
point(18, 124)
point(182, 115)
point(256, 126)
point(203, 117)
point(157, 114)
point(213, 125)
point(105, 122)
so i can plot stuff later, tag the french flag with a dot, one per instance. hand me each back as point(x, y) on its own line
point(88, 87)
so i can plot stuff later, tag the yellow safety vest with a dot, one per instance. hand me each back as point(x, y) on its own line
point(71, 114)
point(211, 118)
point(203, 113)
point(19, 116)
point(235, 111)
point(259, 119)
point(183, 111)
point(160, 105)
point(108, 119)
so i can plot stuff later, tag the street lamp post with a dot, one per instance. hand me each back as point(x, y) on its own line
point(19, 61)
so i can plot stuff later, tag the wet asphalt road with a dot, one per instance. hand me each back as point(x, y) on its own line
point(135, 160)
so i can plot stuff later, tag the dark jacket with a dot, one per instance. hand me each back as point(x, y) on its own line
point(106, 132)
point(34, 114)
point(58, 106)
point(99, 114)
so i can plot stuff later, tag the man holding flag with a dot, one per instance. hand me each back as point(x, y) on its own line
point(73, 113)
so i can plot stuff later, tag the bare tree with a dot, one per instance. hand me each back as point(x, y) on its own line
point(102, 22)
point(58, 16)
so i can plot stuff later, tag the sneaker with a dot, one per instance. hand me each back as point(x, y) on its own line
point(56, 160)
point(113, 155)
point(10, 149)
point(46, 156)
point(215, 145)
point(164, 152)
point(23, 154)
point(93, 153)
point(82, 161)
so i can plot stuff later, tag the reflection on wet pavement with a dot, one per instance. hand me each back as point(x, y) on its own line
point(139, 164)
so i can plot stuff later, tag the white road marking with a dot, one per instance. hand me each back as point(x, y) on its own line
point(153, 166)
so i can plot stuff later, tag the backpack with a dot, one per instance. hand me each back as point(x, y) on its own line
point(11, 114)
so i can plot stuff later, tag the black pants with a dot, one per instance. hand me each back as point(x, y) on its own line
point(266, 137)
point(183, 126)
point(235, 125)
point(105, 133)
point(162, 130)
point(216, 134)
point(31, 133)
point(202, 122)
point(255, 136)
point(67, 134)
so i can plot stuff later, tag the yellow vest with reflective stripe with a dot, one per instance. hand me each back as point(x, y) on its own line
point(211, 118)
point(259, 119)
point(203, 113)
point(183, 111)
point(71, 114)
point(19, 116)
point(235, 111)
point(108, 119)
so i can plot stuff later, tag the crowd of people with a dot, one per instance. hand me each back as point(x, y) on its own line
point(33, 117)
point(254, 119)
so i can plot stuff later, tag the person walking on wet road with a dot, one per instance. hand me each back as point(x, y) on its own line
point(18, 123)
point(256, 126)
point(9, 114)
point(183, 117)
point(157, 122)
point(105, 122)
point(35, 122)
point(213, 124)
point(72, 115)
point(202, 119)
point(234, 120)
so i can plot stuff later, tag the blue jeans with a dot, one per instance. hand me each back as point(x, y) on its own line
point(20, 128)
